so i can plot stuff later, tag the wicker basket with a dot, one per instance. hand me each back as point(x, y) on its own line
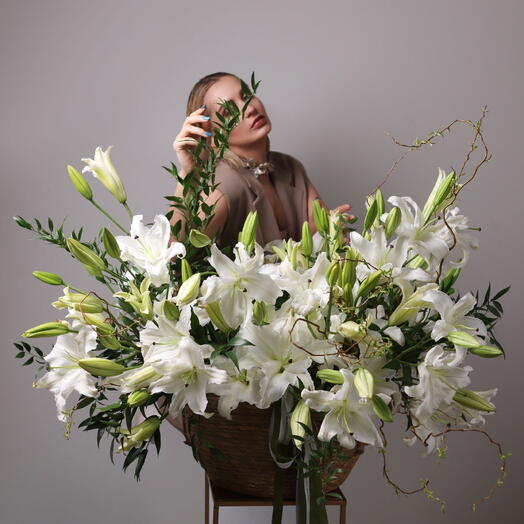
point(249, 468)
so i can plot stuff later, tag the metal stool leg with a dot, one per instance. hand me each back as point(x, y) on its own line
point(206, 496)
point(343, 512)
point(215, 514)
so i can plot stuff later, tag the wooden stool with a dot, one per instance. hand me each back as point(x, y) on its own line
point(223, 497)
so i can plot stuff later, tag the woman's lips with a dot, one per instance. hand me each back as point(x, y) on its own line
point(259, 120)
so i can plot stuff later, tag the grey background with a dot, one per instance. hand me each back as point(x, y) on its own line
point(335, 76)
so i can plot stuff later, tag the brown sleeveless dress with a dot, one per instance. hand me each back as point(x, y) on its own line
point(244, 193)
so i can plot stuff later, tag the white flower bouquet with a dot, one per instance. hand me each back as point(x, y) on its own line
point(359, 331)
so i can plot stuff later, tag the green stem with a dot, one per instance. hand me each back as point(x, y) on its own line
point(109, 216)
point(129, 212)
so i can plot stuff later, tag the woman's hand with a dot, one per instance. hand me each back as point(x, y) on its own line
point(185, 140)
point(345, 217)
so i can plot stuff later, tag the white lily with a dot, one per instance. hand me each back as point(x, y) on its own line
point(424, 240)
point(103, 169)
point(281, 362)
point(438, 381)
point(187, 377)
point(453, 317)
point(65, 375)
point(347, 418)
point(238, 282)
point(148, 248)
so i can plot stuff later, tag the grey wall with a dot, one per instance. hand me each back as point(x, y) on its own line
point(335, 76)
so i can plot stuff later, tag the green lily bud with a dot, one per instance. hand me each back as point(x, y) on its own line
point(109, 341)
point(139, 298)
point(142, 377)
point(369, 283)
point(371, 214)
point(330, 375)
point(84, 254)
point(101, 367)
point(86, 303)
point(94, 271)
point(449, 279)
point(110, 243)
point(364, 383)
point(333, 272)
point(215, 314)
point(348, 293)
point(248, 234)
point(49, 278)
point(381, 409)
point(392, 221)
point(441, 191)
point(293, 257)
point(320, 217)
point(198, 239)
point(188, 290)
point(260, 313)
point(417, 262)
point(307, 239)
point(138, 398)
point(279, 252)
point(80, 183)
point(171, 311)
point(300, 414)
point(186, 269)
point(353, 331)
point(486, 351)
point(139, 433)
point(463, 339)
point(48, 329)
point(470, 399)
point(349, 273)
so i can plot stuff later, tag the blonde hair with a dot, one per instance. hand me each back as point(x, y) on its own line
point(196, 99)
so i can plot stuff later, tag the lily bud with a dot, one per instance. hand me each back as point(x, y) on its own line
point(369, 283)
point(371, 214)
point(441, 191)
point(463, 339)
point(84, 254)
point(381, 409)
point(48, 329)
point(109, 341)
point(49, 278)
point(138, 398)
point(349, 273)
point(260, 313)
point(139, 433)
point(186, 269)
point(293, 257)
point(139, 298)
point(320, 217)
point(248, 234)
point(417, 262)
point(486, 351)
point(300, 414)
point(307, 239)
point(215, 314)
point(110, 243)
point(392, 221)
point(353, 331)
point(188, 290)
point(330, 375)
point(171, 311)
point(198, 239)
point(449, 279)
point(364, 383)
point(80, 183)
point(142, 377)
point(86, 303)
point(101, 367)
point(471, 400)
point(102, 168)
point(333, 272)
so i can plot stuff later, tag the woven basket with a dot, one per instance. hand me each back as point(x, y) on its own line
point(249, 467)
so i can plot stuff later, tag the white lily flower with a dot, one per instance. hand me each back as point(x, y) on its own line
point(238, 282)
point(148, 248)
point(103, 169)
point(347, 418)
point(281, 362)
point(453, 318)
point(187, 377)
point(424, 240)
point(377, 316)
point(438, 381)
point(66, 375)
point(465, 241)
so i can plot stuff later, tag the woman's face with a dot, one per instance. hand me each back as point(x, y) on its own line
point(244, 134)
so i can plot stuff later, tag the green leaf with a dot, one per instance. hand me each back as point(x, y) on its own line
point(501, 293)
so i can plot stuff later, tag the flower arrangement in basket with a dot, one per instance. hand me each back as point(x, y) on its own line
point(334, 338)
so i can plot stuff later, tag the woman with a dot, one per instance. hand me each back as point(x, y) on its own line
point(250, 176)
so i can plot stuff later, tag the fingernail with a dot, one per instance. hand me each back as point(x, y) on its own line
point(207, 133)
point(202, 106)
point(206, 117)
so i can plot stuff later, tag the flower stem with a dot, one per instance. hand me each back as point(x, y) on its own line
point(109, 216)
point(129, 212)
